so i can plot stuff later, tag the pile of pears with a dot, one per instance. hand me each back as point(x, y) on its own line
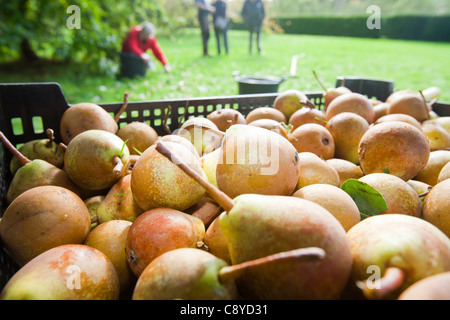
point(289, 202)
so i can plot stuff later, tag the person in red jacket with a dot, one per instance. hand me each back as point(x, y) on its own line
point(142, 38)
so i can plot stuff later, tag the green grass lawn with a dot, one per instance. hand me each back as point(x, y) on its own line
point(410, 64)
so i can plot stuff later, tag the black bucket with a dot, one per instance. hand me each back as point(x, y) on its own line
point(255, 84)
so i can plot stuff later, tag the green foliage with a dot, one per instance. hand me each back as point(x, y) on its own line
point(408, 27)
point(292, 8)
point(96, 43)
point(354, 26)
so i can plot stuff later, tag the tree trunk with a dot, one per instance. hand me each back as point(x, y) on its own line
point(27, 53)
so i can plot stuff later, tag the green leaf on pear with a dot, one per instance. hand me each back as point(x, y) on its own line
point(368, 200)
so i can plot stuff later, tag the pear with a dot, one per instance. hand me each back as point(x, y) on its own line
point(290, 101)
point(119, 203)
point(316, 170)
point(397, 94)
point(331, 93)
point(66, 272)
point(444, 122)
point(420, 188)
point(335, 200)
point(186, 274)
point(271, 125)
point(444, 173)
point(42, 218)
point(438, 137)
point(400, 197)
point(394, 147)
point(193, 274)
point(347, 128)
point(186, 143)
point(109, 238)
point(215, 241)
point(380, 110)
point(307, 115)
point(257, 226)
point(156, 182)
point(412, 104)
point(436, 206)
point(96, 159)
point(92, 204)
point(266, 113)
point(256, 160)
point(345, 169)
point(436, 162)
point(138, 136)
point(209, 164)
point(223, 118)
point(44, 149)
point(434, 287)
point(202, 133)
point(351, 102)
point(393, 251)
point(85, 116)
point(400, 117)
point(160, 230)
point(314, 138)
point(34, 173)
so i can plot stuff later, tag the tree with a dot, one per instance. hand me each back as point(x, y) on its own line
point(36, 29)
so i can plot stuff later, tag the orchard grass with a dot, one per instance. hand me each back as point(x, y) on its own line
point(411, 65)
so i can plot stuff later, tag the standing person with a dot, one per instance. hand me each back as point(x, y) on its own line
point(253, 14)
point(139, 40)
point(204, 9)
point(220, 23)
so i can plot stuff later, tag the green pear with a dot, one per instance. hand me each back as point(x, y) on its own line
point(202, 133)
point(184, 273)
point(119, 203)
point(96, 159)
point(34, 173)
point(194, 274)
point(66, 272)
point(290, 101)
point(209, 164)
point(393, 251)
point(257, 226)
point(45, 149)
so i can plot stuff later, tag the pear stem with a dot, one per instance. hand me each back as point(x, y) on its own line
point(425, 104)
point(63, 146)
point(16, 153)
point(51, 137)
point(320, 82)
point(123, 108)
point(230, 273)
point(166, 117)
point(118, 166)
point(220, 197)
point(392, 280)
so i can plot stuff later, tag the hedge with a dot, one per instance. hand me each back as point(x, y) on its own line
point(409, 27)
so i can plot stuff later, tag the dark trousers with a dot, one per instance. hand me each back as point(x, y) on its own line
point(258, 32)
point(224, 33)
point(204, 26)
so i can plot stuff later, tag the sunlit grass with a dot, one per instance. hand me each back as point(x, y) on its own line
point(410, 64)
